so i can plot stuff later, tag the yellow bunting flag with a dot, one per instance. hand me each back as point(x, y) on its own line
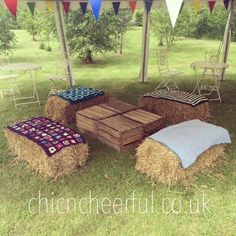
point(49, 5)
point(196, 5)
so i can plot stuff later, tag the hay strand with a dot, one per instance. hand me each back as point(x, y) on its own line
point(163, 165)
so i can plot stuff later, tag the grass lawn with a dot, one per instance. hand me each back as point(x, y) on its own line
point(110, 174)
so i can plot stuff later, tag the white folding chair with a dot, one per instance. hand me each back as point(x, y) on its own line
point(168, 76)
point(10, 78)
point(58, 79)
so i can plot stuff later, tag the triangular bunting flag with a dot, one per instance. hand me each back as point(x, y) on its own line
point(211, 5)
point(66, 6)
point(132, 5)
point(148, 4)
point(96, 6)
point(49, 5)
point(31, 6)
point(226, 3)
point(116, 6)
point(196, 6)
point(12, 6)
point(174, 7)
point(83, 6)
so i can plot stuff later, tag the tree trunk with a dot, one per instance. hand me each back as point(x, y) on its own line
point(161, 41)
point(34, 39)
point(121, 43)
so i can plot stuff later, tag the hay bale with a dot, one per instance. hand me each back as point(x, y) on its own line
point(62, 163)
point(64, 112)
point(175, 112)
point(163, 165)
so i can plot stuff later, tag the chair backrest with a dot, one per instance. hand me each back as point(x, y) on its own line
point(212, 56)
point(60, 66)
point(162, 60)
point(4, 61)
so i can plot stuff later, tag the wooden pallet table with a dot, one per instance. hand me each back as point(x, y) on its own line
point(120, 132)
point(151, 122)
point(87, 120)
point(118, 106)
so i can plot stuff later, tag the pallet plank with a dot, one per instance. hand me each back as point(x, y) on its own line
point(118, 106)
point(151, 122)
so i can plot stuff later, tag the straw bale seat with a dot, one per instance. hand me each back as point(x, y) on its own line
point(49, 148)
point(176, 106)
point(63, 109)
point(179, 152)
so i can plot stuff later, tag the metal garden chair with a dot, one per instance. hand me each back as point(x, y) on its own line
point(9, 78)
point(168, 76)
point(58, 79)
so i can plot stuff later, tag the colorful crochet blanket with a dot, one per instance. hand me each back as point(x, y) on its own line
point(48, 134)
point(79, 94)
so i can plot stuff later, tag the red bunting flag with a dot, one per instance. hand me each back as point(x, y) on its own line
point(12, 6)
point(66, 5)
point(132, 5)
point(211, 5)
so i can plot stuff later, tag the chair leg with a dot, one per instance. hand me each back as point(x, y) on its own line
point(175, 84)
point(161, 84)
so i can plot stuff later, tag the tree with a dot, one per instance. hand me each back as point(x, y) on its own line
point(161, 27)
point(189, 24)
point(138, 16)
point(7, 37)
point(42, 24)
point(123, 21)
point(29, 23)
point(47, 26)
point(87, 37)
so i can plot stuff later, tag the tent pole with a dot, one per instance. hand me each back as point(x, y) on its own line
point(227, 37)
point(145, 47)
point(65, 53)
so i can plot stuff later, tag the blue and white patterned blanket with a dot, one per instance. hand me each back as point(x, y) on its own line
point(79, 94)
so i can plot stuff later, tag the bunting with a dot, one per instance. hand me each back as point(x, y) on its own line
point(66, 6)
point(174, 7)
point(148, 5)
point(31, 6)
point(211, 5)
point(12, 6)
point(83, 6)
point(116, 6)
point(49, 5)
point(132, 5)
point(196, 6)
point(96, 6)
point(226, 3)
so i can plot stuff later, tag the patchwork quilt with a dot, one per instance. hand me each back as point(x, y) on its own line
point(48, 134)
point(177, 96)
point(79, 94)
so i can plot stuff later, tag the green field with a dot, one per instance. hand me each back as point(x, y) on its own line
point(110, 174)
